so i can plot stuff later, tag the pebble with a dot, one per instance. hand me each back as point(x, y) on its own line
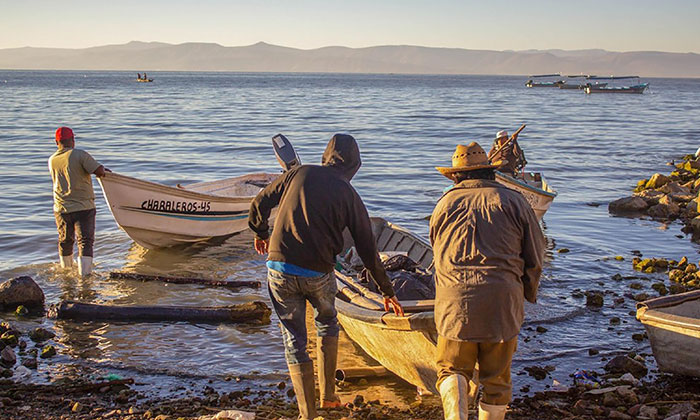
point(563, 250)
point(593, 352)
point(48, 351)
point(541, 329)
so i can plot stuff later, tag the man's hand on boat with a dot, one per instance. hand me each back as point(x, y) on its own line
point(394, 304)
point(261, 245)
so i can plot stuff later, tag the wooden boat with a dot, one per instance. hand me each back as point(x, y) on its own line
point(637, 88)
point(532, 83)
point(144, 80)
point(158, 216)
point(673, 326)
point(572, 84)
point(404, 345)
point(534, 187)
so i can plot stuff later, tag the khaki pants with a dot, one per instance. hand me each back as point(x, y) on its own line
point(460, 357)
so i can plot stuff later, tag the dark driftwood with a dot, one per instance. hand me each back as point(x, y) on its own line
point(184, 280)
point(255, 312)
point(345, 374)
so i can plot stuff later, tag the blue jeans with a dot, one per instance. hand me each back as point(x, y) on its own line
point(289, 294)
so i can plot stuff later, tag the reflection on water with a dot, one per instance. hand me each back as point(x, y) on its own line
point(208, 126)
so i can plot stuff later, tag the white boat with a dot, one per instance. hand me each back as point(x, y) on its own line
point(158, 216)
point(673, 326)
point(534, 187)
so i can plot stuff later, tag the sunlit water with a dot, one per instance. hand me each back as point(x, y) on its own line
point(206, 126)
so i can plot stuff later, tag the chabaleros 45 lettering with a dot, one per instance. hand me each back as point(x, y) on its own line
point(177, 206)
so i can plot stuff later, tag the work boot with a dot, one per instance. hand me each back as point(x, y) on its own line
point(84, 266)
point(327, 361)
point(302, 375)
point(66, 260)
point(454, 391)
point(492, 412)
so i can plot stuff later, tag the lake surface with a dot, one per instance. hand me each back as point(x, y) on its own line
point(191, 127)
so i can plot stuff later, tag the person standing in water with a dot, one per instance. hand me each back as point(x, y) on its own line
point(74, 199)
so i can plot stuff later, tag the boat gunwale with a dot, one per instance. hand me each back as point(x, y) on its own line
point(552, 193)
point(651, 312)
point(165, 189)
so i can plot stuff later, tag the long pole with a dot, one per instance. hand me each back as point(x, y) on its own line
point(510, 139)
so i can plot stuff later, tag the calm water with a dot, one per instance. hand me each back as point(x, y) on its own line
point(206, 126)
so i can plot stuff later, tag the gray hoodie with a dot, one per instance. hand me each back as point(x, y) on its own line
point(316, 203)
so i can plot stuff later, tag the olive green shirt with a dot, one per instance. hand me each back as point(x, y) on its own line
point(71, 171)
point(488, 251)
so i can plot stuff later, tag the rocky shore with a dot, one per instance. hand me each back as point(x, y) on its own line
point(667, 198)
point(615, 396)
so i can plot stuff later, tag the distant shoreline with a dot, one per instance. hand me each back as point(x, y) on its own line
point(155, 73)
point(396, 59)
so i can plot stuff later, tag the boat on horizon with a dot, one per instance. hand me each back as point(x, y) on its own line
point(571, 84)
point(159, 216)
point(637, 88)
point(532, 83)
point(144, 80)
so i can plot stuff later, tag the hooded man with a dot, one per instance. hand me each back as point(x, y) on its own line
point(74, 199)
point(316, 204)
point(488, 249)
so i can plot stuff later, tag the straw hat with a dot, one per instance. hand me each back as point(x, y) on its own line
point(502, 133)
point(469, 158)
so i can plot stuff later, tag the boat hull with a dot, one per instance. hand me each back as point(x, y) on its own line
point(534, 188)
point(159, 216)
point(418, 346)
point(673, 326)
point(637, 89)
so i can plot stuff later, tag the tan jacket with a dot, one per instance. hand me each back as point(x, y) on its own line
point(488, 249)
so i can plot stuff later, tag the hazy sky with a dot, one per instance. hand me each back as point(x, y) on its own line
point(617, 25)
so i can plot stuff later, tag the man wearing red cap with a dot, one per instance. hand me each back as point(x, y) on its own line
point(74, 199)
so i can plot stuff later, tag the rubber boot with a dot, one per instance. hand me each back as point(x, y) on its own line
point(454, 391)
point(84, 266)
point(302, 375)
point(66, 260)
point(492, 412)
point(327, 361)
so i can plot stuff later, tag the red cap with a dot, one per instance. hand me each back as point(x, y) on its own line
point(64, 133)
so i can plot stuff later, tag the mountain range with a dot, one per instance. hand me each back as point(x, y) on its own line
point(407, 59)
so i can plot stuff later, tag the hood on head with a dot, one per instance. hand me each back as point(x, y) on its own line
point(343, 154)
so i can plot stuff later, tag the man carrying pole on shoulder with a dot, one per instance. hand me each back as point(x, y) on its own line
point(488, 250)
point(74, 199)
point(316, 204)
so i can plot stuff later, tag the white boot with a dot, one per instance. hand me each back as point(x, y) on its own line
point(492, 412)
point(454, 391)
point(84, 266)
point(66, 260)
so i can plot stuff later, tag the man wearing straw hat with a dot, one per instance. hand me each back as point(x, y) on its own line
point(509, 152)
point(488, 250)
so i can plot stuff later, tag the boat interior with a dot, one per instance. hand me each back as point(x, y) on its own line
point(391, 241)
point(242, 186)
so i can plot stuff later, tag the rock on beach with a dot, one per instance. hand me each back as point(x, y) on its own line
point(21, 291)
point(628, 205)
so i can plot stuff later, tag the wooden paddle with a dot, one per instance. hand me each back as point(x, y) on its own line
point(510, 139)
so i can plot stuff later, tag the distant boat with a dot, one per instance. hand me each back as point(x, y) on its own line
point(573, 84)
point(600, 88)
point(144, 80)
point(546, 83)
